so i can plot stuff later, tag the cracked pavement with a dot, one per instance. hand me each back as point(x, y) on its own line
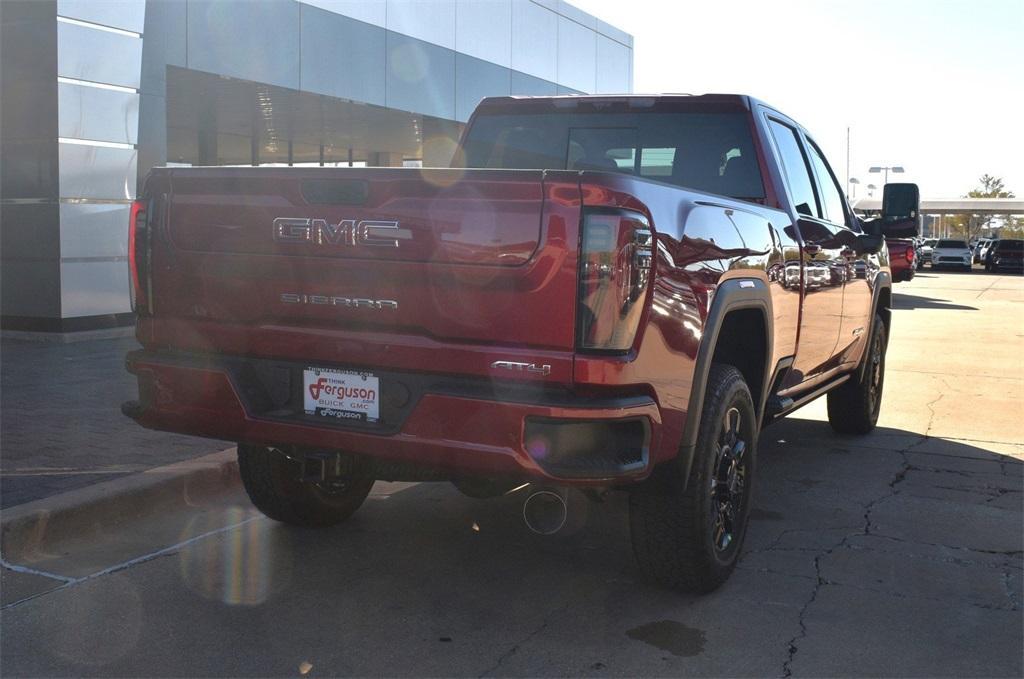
point(894, 554)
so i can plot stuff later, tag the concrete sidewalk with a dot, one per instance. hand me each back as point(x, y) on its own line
point(61, 426)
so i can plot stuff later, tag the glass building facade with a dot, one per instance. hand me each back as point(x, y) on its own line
point(94, 94)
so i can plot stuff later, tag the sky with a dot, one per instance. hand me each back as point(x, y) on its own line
point(935, 86)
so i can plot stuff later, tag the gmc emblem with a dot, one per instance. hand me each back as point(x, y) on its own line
point(346, 232)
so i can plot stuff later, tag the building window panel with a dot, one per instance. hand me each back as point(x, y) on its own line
point(97, 56)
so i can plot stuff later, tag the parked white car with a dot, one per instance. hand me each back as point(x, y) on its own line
point(979, 248)
point(926, 251)
point(952, 253)
point(984, 250)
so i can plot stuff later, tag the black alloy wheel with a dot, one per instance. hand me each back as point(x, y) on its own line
point(687, 532)
point(876, 374)
point(854, 405)
point(729, 482)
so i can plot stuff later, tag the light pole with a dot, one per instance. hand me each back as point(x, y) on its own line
point(896, 169)
point(853, 185)
point(871, 190)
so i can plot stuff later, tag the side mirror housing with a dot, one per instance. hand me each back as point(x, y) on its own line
point(901, 204)
point(869, 243)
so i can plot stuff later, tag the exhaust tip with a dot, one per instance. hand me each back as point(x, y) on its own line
point(545, 512)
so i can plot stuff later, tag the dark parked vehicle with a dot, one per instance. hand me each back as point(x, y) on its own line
point(986, 253)
point(1006, 255)
point(624, 315)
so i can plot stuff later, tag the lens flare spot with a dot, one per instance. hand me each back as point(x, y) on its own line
point(238, 568)
point(435, 177)
point(410, 63)
point(539, 447)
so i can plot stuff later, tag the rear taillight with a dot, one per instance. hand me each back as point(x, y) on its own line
point(908, 254)
point(138, 255)
point(615, 268)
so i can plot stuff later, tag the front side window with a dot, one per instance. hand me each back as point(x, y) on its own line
point(831, 196)
point(798, 175)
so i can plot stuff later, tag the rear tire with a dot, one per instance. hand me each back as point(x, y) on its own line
point(853, 406)
point(273, 483)
point(688, 536)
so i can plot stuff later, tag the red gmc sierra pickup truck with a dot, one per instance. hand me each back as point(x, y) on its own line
point(602, 292)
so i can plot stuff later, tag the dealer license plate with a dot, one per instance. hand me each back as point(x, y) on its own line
point(341, 395)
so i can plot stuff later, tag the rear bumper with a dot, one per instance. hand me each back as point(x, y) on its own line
point(903, 275)
point(902, 270)
point(468, 427)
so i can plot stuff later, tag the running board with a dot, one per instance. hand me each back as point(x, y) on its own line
point(780, 406)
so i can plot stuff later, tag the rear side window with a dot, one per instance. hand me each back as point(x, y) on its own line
point(952, 244)
point(798, 176)
point(712, 152)
point(515, 142)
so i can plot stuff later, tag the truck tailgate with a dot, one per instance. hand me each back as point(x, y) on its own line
point(410, 257)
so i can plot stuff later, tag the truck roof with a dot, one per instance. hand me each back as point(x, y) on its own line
point(670, 100)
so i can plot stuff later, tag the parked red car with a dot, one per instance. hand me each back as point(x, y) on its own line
point(626, 315)
point(902, 259)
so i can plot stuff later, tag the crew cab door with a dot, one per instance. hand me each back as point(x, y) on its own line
point(860, 269)
point(824, 266)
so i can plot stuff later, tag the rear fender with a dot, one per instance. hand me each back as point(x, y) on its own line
point(732, 295)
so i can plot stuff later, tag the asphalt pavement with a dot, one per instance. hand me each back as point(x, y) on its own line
point(894, 554)
point(61, 425)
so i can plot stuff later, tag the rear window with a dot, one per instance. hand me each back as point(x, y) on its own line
point(952, 244)
point(711, 152)
point(1010, 245)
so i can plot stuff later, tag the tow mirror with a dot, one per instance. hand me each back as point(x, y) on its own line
point(901, 204)
point(869, 243)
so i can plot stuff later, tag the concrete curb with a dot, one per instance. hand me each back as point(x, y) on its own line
point(68, 337)
point(35, 527)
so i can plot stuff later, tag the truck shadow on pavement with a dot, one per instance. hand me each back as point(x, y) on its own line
point(872, 555)
point(902, 301)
